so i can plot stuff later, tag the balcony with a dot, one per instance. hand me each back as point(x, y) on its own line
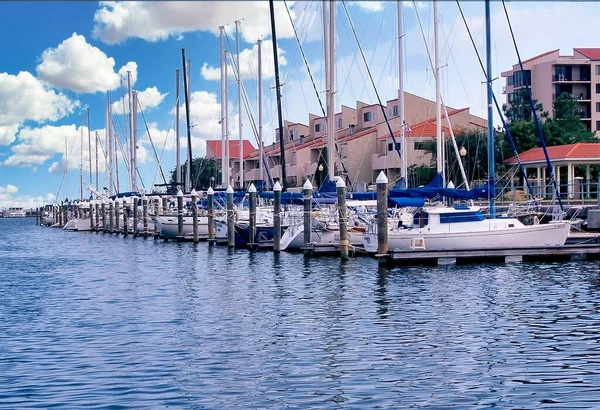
point(385, 161)
point(563, 78)
point(276, 171)
point(253, 175)
point(503, 89)
point(580, 98)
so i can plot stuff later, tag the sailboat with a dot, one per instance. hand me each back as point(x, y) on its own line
point(442, 228)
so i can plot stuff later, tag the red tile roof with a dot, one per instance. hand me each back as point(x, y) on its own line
point(427, 128)
point(581, 150)
point(591, 53)
point(540, 55)
point(234, 148)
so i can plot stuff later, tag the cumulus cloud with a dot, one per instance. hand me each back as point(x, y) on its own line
point(149, 98)
point(249, 63)
point(23, 97)
point(116, 21)
point(9, 189)
point(37, 145)
point(78, 66)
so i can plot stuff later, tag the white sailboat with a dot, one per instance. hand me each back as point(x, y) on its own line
point(465, 227)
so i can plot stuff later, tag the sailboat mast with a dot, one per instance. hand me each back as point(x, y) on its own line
point(260, 136)
point(81, 159)
point(188, 174)
point(239, 87)
point(224, 166)
point(177, 142)
point(187, 114)
point(89, 144)
point(401, 112)
point(330, 84)
point(109, 144)
point(131, 136)
point(96, 150)
point(438, 102)
point(134, 140)
point(66, 168)
point(490, 113)
point(278, 94)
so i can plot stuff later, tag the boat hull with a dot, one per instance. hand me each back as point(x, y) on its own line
point(168, 226)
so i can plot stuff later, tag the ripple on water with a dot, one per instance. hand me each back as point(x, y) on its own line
point(94, 321)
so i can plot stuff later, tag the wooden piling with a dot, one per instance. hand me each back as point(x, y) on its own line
point(210, 194)
point(230, 218)
point(252, 224)
point(165, 205)
point(277, 217)
point(156, 208)
point(103, 209)
point(125, 218)
point(92, 215)
point(307, 190)
point(145, 214)
point(97, 208)
point(134, 228)
point(180, 215)
point(111, 214)
point(342, 218)
point(194, 195)
point(382, 221)
point(117, 217)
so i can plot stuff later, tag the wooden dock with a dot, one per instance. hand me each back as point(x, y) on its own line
point(501, 255)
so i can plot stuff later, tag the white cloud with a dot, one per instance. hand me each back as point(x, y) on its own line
point(9, 189)
point(81, 67)
point(54, 168)
point(24, 201)
point(23, 97)
point(37, 145)
point(369, 5)
point(149, 98)
point(154, 21)
point(249, 63)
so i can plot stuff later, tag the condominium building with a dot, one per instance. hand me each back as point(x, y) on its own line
point(550, 74)
point(364, 144)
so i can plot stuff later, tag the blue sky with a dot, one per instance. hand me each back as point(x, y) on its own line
point(60, 58)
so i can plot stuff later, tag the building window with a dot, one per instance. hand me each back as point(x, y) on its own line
point(521, 78)
point(368, 116)
point(598, 107)
point(419, 145)
point(292, 135)
point(597, 125)
point(510, 97)
point(301, 139)
point(509, 80)
point(318, 127)
point(597, 88)
point(351, 129)
point(598, 69)
point(391, 146)
point(339, 123)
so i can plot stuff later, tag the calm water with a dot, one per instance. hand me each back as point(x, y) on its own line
point(93, 321)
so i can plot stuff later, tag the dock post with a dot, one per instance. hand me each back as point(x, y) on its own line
point(252, 225)
point(210, 194)
point(277, 217)
point(382, 221)
point(145, 214)
point(103, 208)
point(180, 215)
point(194, 195)
point(156, 213)
point(125, 218)
point(37, 215)
point(117, 218)
point(230, 218)
point(97, 206)
point(92, 202)
point(60, 215)
point(307, 199)
point(111, 214)
point(165, 205)
point(134, 228)
point(342, 217)
point(66, 216)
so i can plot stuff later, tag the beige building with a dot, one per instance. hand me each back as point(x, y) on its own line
point(550, 74)
point(363, 139)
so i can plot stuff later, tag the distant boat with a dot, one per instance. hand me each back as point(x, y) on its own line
point(15, 212)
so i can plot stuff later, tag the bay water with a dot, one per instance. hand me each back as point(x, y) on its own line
point(89, 320)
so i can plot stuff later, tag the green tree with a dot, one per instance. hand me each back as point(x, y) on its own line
point(566, 126)
point(203, 169)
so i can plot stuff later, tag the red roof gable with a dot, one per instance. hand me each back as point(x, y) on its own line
point(591, 53)
point(581, 150)
point(234, 148)
point(540, 55)
point(427, 128)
